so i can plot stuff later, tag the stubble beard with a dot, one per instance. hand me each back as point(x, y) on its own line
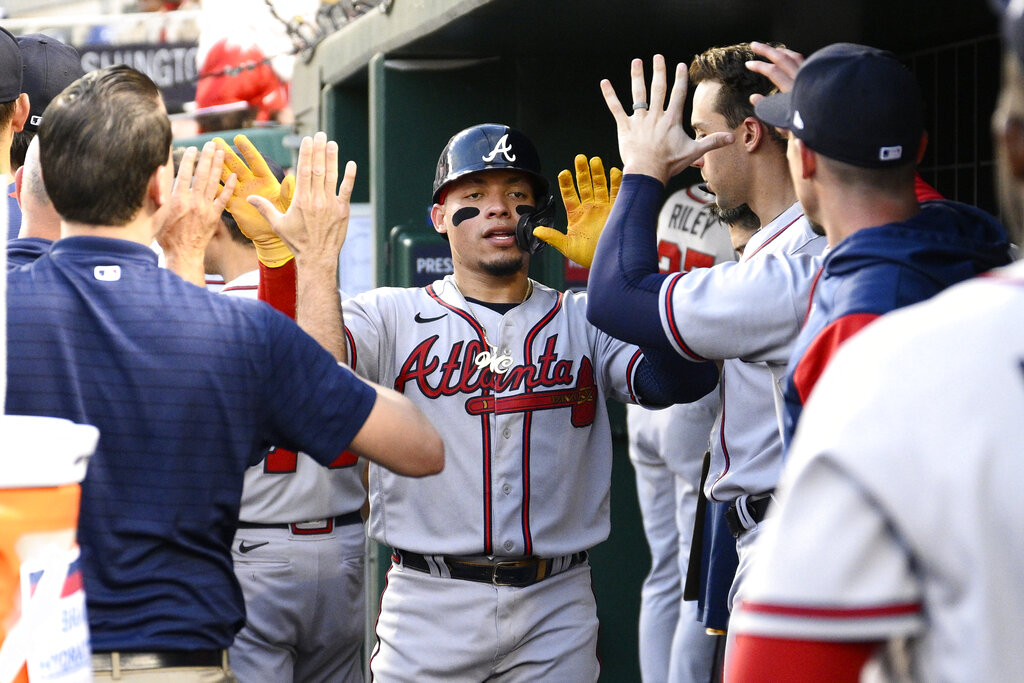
point(504, 266)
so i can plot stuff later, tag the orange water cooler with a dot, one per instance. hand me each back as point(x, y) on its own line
point(44, 633)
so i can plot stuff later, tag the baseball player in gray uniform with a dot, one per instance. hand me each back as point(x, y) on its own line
point(490, 577)
point(747, 313)
point(665, 447)
point(300, 546)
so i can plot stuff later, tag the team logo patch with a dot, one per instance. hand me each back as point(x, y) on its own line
point(502, 148)
point(107, 273)
point(890, 153)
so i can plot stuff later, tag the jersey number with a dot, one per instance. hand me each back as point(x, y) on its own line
point(670, 258)
point(284, 461)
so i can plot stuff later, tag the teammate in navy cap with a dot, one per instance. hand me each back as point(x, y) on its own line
point(856, 123)
point(896, 551)
point(49, 66)
point(14, 107)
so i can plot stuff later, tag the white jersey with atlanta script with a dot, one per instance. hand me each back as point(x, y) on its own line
point(900, 512)
point(749, 313)
point(527, 452)
point(291, 487)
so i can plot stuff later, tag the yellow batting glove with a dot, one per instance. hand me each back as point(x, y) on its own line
point(587, 210)
point(255, 177)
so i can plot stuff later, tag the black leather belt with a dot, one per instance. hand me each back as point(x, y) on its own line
point(163, 659)
point(522, 571)
point(316, 526)
point(755, 508)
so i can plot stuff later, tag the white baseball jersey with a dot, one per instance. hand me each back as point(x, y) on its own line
point(900, 511)
point(291, 487)
point(666, 449)
point(527, 454)
point(748, 313)
point(688, 237)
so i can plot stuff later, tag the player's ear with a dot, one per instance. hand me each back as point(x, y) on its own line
point(21, 110)
point(753, 133)
point(437, 218)
point(155, 188)
point(922, 147)
point(18, 175)
point(1012, 136)
point(808, 159)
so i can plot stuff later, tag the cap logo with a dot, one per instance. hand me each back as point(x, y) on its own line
point(502, 148)
point(798, 121)
point(890, 153)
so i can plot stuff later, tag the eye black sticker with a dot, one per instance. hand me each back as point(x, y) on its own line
point(464, 214)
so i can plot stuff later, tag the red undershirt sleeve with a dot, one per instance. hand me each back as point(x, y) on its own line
point(756, 658)
point(277, 287)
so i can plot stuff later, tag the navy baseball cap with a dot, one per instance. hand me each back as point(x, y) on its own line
point(852, 103)
point(10, 67)
point(50, 66)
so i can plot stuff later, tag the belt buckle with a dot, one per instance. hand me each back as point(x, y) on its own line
point(517, 564)
point(313, 526)
point(510, 564)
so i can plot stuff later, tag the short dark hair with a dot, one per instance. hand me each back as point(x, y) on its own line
point(100, 143)
point(728, 66)
point(19, 145)
point(894, 180)
point(7, 112)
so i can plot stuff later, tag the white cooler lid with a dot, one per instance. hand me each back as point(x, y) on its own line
point(43, 451)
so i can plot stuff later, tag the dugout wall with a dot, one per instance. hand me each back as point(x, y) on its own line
point(393, 85)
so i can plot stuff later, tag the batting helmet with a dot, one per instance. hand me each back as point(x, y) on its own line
point(495, 146)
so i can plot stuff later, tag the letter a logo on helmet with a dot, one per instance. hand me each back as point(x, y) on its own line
point(485, 147)
point(502, 147)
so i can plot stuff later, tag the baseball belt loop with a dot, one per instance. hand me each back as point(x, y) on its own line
point(115, 665)
point(743, 514)
point(544, 569)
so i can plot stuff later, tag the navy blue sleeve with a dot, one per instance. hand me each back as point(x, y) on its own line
point(622, 293)
point(313, 404)
point(664, 378)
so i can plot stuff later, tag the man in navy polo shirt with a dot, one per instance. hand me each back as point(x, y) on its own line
point(186, 387)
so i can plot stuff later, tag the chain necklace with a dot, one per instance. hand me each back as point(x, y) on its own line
point(489, 358)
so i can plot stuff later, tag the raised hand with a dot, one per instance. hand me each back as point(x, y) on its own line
point(194, 211)
point(651, 139)
point(314, 228)
point(256, 178)
point(586, 210)
point(780, 68)
point(317, 218)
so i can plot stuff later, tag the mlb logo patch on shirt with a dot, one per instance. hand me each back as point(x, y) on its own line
point(107, 273)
